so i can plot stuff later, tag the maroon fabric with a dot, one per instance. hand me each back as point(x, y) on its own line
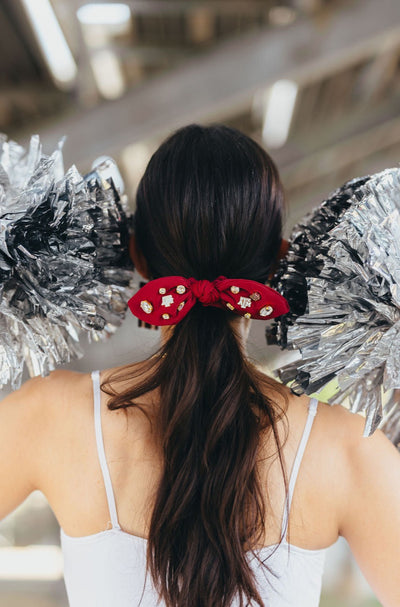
point(162, 302)
point(205, 291)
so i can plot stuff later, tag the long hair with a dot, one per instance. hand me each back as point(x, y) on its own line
point(210, 203)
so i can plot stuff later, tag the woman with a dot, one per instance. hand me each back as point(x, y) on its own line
point(192, 456)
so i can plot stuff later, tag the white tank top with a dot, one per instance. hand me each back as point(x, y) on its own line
point(107, 569)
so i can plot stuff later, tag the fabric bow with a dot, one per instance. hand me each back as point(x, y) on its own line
point(166, 300)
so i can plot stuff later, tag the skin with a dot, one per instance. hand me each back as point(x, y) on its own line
point(347, 485)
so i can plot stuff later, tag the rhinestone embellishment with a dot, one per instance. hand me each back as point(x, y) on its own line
point(181, 305)
point(266, 311)
point(235, 289)
point(162, 290)
point(167, 301)
point(245, 302)
point(255, 296)
point(180, 289)
point(230, 306)
point(165, 316)
point(247, 315)
point(146, 306)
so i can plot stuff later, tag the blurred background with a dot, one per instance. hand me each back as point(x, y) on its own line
point(316, 82)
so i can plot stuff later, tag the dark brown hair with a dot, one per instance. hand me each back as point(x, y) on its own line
point(209, 203)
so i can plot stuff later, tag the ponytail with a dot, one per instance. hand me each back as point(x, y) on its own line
point(209, 507)
point(210, 203)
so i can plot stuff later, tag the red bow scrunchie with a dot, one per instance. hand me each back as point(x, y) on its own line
point(166, 300)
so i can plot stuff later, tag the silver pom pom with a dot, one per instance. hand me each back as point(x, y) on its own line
point(64, 264)
point(341, 277)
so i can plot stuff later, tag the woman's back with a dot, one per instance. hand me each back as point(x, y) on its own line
point(105, 546)
point(110, 566)
point(335, 491)
point(135, 466)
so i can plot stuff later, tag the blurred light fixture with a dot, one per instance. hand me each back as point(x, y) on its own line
point(31, 563)
point(282, 15)
point(52, 41)
point(278, 113)
point(104, 14)
point(108, 74)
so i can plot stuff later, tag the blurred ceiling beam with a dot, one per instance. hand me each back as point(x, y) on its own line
point(225, 78)
point(86, 89)
point(19, 60)
point(165, 7)
point(311, 179)
point(341, 154)
point(146, 55)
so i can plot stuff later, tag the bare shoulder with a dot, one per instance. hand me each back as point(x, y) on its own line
point(62, 401)
point(29, 425)
point(52, 381)
point(334, 429)
point(341, 428)
point(38, 392)
point(369, 513)
point(54, 390)
point(339, 424)
point(347, 429)
point(60, 379)
point(49, 400)
point(340, 433)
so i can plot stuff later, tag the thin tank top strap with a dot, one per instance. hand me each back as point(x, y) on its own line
point(100, 450)
point(312, 410)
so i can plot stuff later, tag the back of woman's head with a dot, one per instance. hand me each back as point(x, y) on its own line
point(209, 204)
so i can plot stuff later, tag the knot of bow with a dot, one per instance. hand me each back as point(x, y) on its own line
point(205, 291)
